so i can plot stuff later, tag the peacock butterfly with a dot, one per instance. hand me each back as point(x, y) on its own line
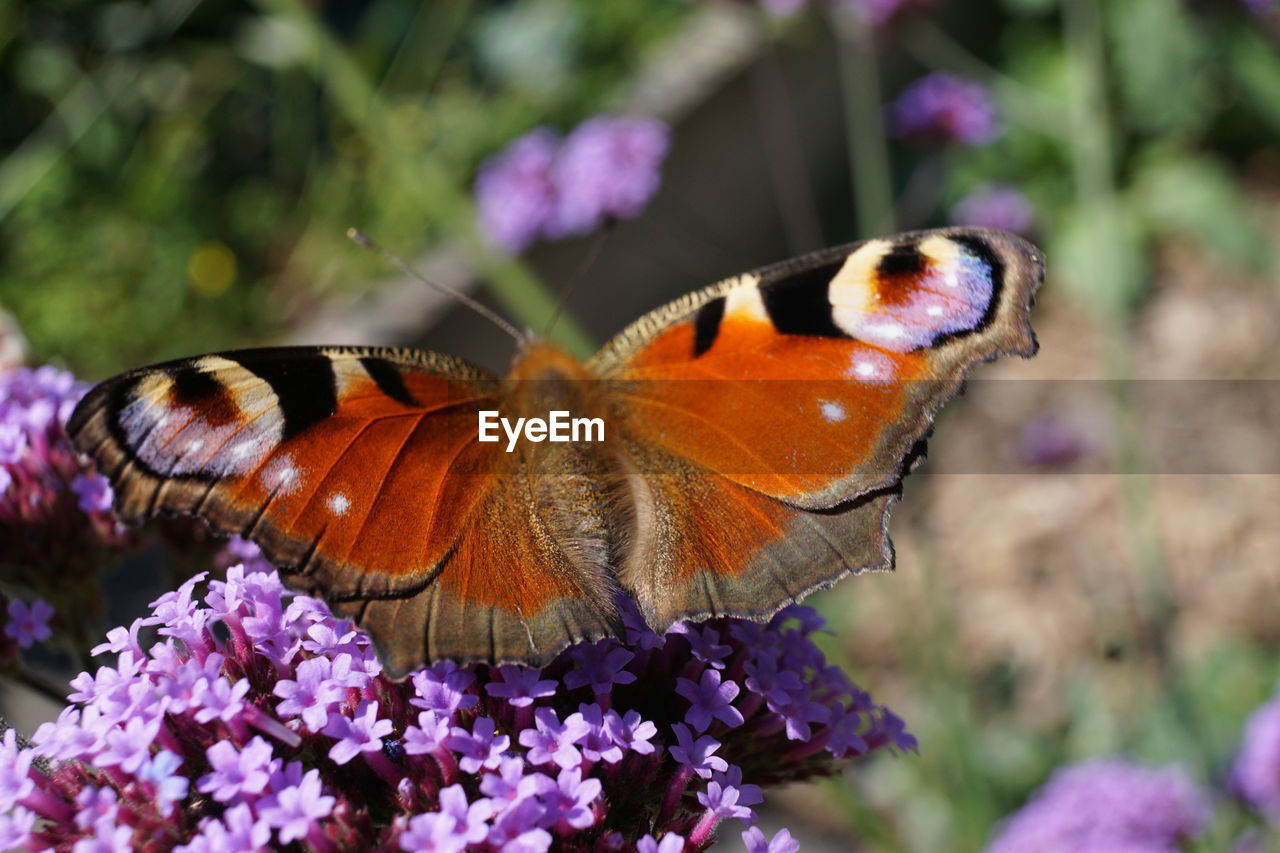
point(753, 436)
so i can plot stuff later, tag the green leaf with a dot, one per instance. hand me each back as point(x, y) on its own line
point(1160, 66)
point(1181, 194)
point(1097, 255)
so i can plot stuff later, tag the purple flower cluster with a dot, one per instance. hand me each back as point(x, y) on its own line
point(53, 509)
point(1107, 805)
point(945, 108)
point(997, 206)
point(1255, 775)
point(252, 719)
point(542, 186)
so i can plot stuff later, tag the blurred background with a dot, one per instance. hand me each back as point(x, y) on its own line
point(1089, 561)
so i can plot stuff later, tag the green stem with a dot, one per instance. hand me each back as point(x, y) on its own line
point(445, 203)
point(1094, 164)
point(864, 123)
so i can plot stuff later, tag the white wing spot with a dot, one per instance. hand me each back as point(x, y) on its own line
point(864, 369)
point(934, 310)
point(338, 503)
point(282, 475)
point(833, 412)
point(195, 445)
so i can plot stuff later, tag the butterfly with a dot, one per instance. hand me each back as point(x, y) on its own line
point(740, 448)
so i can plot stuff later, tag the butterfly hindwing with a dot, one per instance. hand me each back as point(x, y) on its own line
point(358, 473)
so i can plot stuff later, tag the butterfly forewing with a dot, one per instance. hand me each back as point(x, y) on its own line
point(358, 473)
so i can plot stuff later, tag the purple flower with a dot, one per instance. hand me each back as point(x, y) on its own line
point(572, 798)
point(160, 773)
point(697, 754)
point(480, 747)
point(237, 832)
point(1255, 774)
point(362, 733)
point(598, 742)
point(520, 685)
point(443, 688)
point(312, 694)
point(722, 801)
point(293, 810)
point(553, 742)
point(516, 830)
point(632, 732)
point(945, 107)
point(1046, 442)
point(607, 169)
point(1107, 804)
point(705, 644)
point(193, 705)
point(431, 734)
point(600, 665)
point(997, 206)
point(15, 771)
point(93, 492)
point(709, 699)
point(670, 843)
point(515, 193)
point(782, 842)
point(28, 624)
point(235, 772)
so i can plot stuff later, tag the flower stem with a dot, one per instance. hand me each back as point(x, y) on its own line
point(864, 123)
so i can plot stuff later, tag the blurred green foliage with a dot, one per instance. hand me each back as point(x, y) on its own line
point(1126, 130)
point(178, 175)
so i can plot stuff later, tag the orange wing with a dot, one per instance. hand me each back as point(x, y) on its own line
point(769, 417)
point(358, 473)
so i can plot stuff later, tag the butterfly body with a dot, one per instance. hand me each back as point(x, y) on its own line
point(754, 435)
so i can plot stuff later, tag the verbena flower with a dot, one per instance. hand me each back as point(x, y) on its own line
point(1107, 805)
point(515, 195)
point(1255, 773)
point(945, 108)
point(995, 205)
point(28, 624)
point(54, 510)
point(545, 187)
point(200, 736)
point(1046, 441)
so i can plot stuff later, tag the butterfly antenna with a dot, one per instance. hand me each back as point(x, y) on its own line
point(593, 252)
point(488, 313)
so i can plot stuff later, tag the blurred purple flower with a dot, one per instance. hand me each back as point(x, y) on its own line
point(453, 758)
point(1046, 442)
point(607, 169)
point(28, 624)
point(515, 194)
point(997, 206)
point(1255, 774)
point(1107, 804)
point(56, 525)
point(540, 186)
point(782, 842)
point(947, 108)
